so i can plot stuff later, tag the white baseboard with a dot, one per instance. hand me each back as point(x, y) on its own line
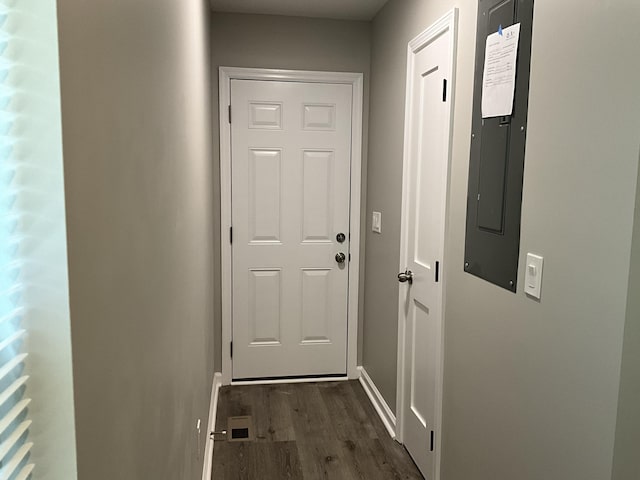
point(211, 426)
point(379, 403)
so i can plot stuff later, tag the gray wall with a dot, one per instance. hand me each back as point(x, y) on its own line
point(136, 132)
point(626, 464)
point(269, 41)
point(531, 388)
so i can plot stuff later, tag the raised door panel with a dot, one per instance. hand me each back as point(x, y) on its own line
point(427, 179)
point(316, 305)
point(265, 115)
point(422, 357)
point(317, 193)
point(265, 170)
point(265, 310)
point(319, 117)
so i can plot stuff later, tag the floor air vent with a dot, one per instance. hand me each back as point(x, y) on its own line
point(240, 429)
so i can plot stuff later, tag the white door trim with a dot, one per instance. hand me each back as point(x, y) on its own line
point(448, 22)
point(226, 74)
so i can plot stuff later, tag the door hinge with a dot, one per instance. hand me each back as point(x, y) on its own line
point(231, 348)
point(444, 89)
point(437, 271)
point(229, 113)
point(230, 234)
point(433, 435)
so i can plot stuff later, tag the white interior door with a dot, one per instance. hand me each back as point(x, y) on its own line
point(290, 162)
point(425, 190)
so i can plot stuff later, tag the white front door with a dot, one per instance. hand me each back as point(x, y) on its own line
point(425, 190)
point(290, 162)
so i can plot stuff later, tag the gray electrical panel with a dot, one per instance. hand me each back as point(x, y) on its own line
point(496, 162)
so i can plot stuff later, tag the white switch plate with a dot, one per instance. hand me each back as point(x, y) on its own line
point(533, 275)
point(376, 222)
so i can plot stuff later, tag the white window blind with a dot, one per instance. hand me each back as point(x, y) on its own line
point(15, 447)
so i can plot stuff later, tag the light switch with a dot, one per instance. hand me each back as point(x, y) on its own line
point(376, 222)
point(533, 275)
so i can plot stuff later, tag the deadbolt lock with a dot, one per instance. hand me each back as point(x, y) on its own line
point(341, 237)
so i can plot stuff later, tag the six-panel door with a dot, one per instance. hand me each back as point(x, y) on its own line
point(290, 150)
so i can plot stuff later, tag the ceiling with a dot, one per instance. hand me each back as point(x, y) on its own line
point(342, 9)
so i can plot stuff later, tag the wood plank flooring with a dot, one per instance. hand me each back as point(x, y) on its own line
point(308, 431)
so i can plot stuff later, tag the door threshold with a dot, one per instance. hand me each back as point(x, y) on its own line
point(295, 379)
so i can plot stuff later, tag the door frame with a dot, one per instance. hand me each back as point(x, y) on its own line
point(449, 22)
point(226, 74)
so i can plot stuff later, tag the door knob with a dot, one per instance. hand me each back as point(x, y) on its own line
point(340, 257)
point(406, 276)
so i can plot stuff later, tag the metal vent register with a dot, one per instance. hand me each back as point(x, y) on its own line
point(240, 429)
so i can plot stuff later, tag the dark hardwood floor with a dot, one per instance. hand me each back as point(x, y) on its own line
point(324, 430)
